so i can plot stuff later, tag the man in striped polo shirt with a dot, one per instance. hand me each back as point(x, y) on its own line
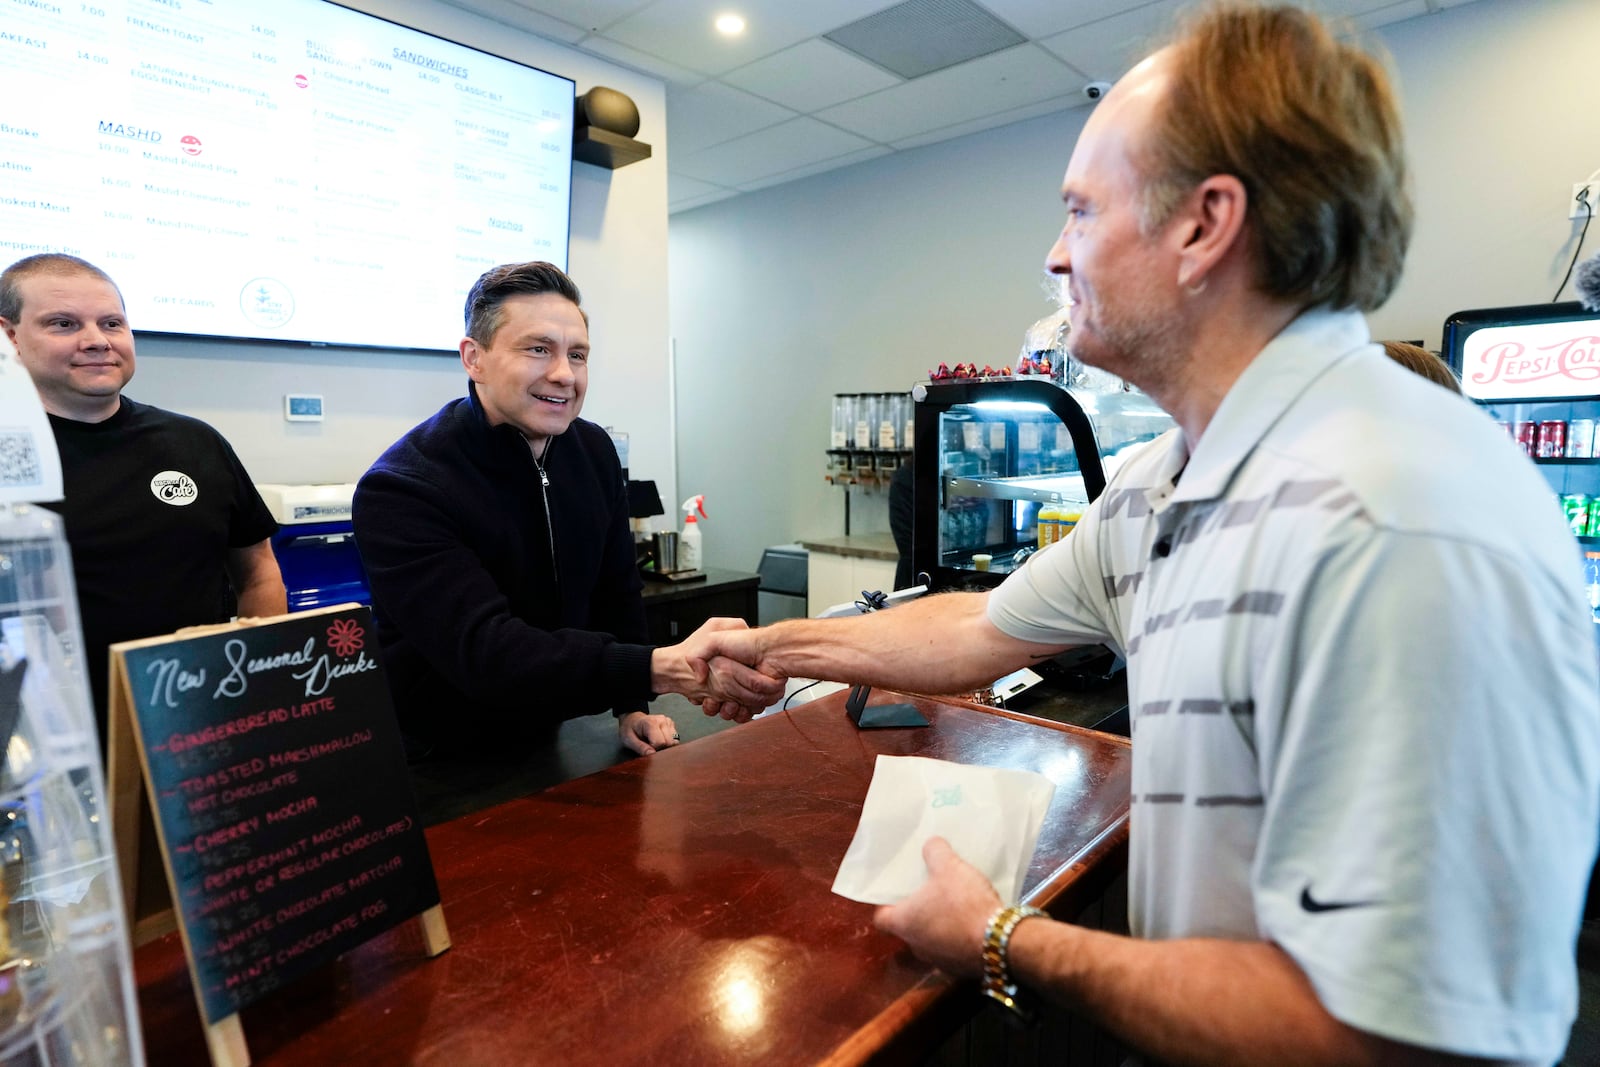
point(1365, 715)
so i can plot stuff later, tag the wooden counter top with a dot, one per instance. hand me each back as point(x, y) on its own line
point(673, 910)
point(658, 591)
point(860, 546)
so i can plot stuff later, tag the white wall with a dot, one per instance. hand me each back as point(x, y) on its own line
point(861, 279)
point(1502, 116)
point(857, 280)
point(618, 257)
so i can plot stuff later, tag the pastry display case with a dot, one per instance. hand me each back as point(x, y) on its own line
point(1005, 465)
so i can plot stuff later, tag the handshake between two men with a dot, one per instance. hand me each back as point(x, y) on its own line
point(700, 668)
point(734, 671)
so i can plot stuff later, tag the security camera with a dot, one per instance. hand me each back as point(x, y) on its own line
point(1095, 90)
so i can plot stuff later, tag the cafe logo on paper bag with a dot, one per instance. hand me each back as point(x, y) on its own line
point(175, 488)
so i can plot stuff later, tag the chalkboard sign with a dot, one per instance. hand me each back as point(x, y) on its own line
point(285, 812)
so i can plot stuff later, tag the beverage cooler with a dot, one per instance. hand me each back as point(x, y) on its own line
point(1536, 369)
point(1004, 466)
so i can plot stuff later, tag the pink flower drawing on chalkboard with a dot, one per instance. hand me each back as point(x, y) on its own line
point(346, 637)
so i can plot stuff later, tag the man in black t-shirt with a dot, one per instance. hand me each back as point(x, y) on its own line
point(165, 527)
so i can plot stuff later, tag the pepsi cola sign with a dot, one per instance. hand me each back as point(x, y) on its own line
point(1533, 360)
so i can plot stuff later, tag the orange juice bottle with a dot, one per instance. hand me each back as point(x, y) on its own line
point(1049, 523)
point(1067, 517)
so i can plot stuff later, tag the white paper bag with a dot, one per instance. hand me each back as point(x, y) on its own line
point(991, 817)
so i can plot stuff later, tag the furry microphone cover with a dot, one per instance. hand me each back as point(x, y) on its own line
point(1588, 283)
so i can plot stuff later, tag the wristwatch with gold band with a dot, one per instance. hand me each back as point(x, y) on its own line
point(997, 981)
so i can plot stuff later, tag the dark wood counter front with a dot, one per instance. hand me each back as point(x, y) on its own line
point(673, 910)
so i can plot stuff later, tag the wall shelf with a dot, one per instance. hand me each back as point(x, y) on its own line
point(602, 148)
point(1044, 488)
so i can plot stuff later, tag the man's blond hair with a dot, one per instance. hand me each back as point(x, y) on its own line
point(1309, 125)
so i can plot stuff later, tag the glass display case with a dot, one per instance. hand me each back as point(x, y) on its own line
point(66, 979)
point(1005, 466)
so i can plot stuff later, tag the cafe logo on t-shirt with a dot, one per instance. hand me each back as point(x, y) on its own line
point(175, 488)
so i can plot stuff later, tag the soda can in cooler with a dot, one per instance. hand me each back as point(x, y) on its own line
point(1580, 438)
point(1526, 434)
point(1594, 520)
point(1552, 439)
point(1576, 505)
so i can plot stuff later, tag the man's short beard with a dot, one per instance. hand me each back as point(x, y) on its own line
point(1140, 349)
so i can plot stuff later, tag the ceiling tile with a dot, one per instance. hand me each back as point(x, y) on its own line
point(917, 37)
point(631, 57)
point(1106, 49)
point(1040, 18)
point(813, 74)
point(1385, 16)
point(777, 150)
point(515, 15)
point(675, 206)
point(817, 168)
point(589, 15)
point(1346, 9)
point(680, 31)
point(683, 187)
point(712, 113)
point(1022, 75)
point(1002, 118)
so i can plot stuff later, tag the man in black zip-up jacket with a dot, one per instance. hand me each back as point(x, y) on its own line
point(495, 538)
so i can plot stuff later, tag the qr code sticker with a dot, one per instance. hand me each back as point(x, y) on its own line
point(19, 460)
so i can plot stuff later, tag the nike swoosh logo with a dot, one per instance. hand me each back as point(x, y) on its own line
point(1316, 907)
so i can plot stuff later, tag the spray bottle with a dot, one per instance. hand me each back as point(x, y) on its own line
point(689, 540)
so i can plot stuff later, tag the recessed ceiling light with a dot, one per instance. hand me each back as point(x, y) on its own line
point(730, 25)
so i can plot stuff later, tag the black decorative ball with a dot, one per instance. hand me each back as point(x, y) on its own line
point(609, 110)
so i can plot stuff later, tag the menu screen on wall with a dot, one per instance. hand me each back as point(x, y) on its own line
point(281, 169)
